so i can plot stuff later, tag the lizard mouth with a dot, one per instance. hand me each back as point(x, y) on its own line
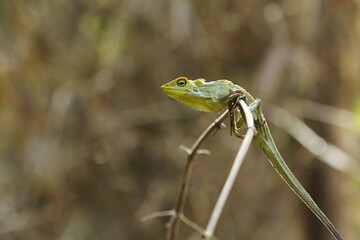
point(167, 89)
point(176, 93)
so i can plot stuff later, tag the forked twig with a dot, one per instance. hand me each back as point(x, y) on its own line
point(177, 214)
point(174, 220)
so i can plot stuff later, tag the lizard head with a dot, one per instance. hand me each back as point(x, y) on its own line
point(180, 86)
point(192, 93)
point(183, 90)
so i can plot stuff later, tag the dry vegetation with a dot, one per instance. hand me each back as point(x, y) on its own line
point(89, 143)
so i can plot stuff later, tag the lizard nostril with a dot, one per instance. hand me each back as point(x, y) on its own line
point(195, 89)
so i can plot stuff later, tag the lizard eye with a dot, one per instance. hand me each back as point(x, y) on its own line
point(181, 82)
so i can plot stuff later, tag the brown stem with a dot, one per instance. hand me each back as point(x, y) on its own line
point(174, 221)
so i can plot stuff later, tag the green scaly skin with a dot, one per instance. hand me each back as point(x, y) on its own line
point(213, 96)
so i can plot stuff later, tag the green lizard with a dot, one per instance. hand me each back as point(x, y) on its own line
point(216, 95)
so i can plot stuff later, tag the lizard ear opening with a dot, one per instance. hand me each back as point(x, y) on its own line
point(181, 81)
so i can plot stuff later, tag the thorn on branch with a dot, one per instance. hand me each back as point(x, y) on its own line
point(203, 151)
point(189, 151)
point(185, 149)
point(157, 214)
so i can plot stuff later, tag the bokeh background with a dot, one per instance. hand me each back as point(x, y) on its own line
point(89, 143)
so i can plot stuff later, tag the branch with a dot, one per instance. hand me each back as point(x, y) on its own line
point(233, 173)
point(323, 113)
point(326, 152)
point(174, 220)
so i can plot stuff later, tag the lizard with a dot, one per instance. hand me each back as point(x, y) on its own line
point(217, 95)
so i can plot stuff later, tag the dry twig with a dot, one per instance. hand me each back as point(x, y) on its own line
point(233, 173)
point(177, 213)
point(174, 221)
point(326, 152)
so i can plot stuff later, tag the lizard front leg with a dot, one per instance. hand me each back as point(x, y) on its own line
point(255, 108)
point(233, 105)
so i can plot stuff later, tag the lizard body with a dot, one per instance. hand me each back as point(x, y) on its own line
point(214, 96)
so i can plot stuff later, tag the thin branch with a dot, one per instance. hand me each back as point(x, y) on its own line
point(324, 113)
point(174, 220)
point(233, 173)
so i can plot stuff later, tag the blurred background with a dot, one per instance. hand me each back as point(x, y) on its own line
point(89, 144)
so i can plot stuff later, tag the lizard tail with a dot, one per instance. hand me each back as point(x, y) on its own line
point(269, 148)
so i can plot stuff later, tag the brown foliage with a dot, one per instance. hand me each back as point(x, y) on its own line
point(89, 142)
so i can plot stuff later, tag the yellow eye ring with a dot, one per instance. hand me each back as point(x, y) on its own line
point(181, 82)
